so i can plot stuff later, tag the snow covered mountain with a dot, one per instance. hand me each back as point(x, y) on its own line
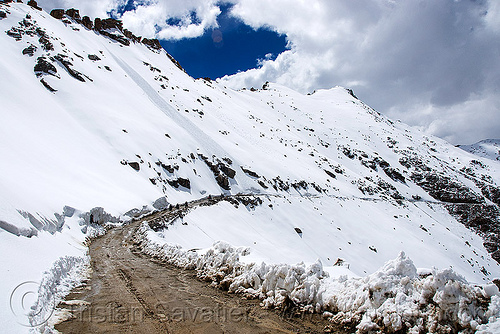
point(99, 126)
point(488, 148)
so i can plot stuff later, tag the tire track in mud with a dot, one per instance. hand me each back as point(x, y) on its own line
point(130, 292)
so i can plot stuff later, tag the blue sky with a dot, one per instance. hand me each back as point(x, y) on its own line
point(230, 48)
point(431, 64)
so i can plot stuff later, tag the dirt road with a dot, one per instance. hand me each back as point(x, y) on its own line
point(130, 293)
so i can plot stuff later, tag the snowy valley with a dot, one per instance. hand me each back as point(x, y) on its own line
point(100, 127)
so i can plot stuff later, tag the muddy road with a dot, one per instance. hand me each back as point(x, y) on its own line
point(132, 293)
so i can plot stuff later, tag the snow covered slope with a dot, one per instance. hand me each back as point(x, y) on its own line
point(98, 126)
point(488, 148)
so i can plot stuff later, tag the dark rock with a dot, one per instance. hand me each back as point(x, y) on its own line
point(227, 170)
point(87, 23)
point(119, 38)
point(57, 13)
point(3, 14)
point(135, 165)
point(184, 182)
point(262, 184)
point(223, 181)
point(330, 174)
point(73, 13)
point(97, 24)
point(108, 68)
point(15, 33)
point(62, 59)
point(131, 36)
point(46, 85)
point(44, 39)
point(30, 50)
point(94, 57)
point(33, 4)
point(350, 92)
point(153, 43)
point(249, 172)
point(44, 67)
point(491, 193)
point(444, 189)
point(394, 174)
point(107, 24)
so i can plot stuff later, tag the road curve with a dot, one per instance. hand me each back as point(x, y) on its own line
point(131, 293)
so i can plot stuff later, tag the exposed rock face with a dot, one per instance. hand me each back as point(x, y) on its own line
point(110, 23)
point(15, 33)
point(87, 22)
point(184, 182)
point(46, 85)
point(223, 181)
point(62, 59)
point(30, 50)
point(44, 67)
point(94, 57)
point(97, 24)
point(57, 13)
point(34, 4)
point(131, 36)
point(444, 189)
point(73, 13)
point(3, 14)
point(249, 172)
point(153, 43)
point(135, 165)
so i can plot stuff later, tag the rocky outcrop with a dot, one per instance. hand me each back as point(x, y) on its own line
point(57, 13)
point(44, 67)
point(153, 43)
point(33, 3)
point(87, 23)
point(63, 60)
point(46, 85)
point(73, 13)
point(445, 189)
point(30, 50)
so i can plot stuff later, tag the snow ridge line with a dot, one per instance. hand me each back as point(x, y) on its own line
point(395, 298)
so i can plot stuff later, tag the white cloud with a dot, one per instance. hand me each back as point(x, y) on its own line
point(150, 19)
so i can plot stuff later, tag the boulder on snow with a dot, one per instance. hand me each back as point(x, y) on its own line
point(3, 14)
point(135, 165)
point(93, 57)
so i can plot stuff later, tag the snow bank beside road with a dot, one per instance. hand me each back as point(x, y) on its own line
point(393, 298)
